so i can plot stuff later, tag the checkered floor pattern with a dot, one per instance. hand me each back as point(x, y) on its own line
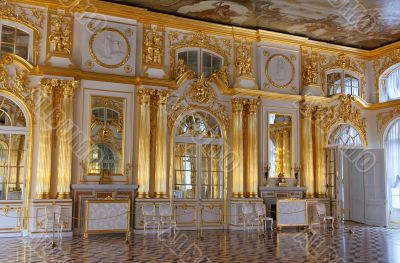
point(347, 243)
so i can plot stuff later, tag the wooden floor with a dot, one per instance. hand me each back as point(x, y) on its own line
point(365, 244)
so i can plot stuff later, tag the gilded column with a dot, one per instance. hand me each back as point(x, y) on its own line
point(65, 126)
point(237, 147)
point(307, 169)
point(45, 138)
point(286, 151)
point(161, 146)
point(144, 143)
point(319, 154)
point(252, 148)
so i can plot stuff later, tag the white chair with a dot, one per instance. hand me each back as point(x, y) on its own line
point(53, 220)
point(321, 211)
point(150, 218)
point(166, 217)
point(261, 213)
point(249, 218)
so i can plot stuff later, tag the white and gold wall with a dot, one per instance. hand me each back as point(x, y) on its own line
point(102, 76)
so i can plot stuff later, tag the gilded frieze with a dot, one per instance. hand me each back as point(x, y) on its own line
point(177, 40)
point(384, 118)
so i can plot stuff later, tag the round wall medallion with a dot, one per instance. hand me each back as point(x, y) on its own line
point(279, 71)
point(109, 48)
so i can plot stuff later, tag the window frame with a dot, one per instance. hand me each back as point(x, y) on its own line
point(200, 52)
point(27, 30)
point(383, 90)
point(343, 74)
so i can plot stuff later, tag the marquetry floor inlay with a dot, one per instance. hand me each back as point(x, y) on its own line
point(364, 244)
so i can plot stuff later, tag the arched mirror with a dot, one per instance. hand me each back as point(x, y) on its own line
point(13, 145)
point(106, 136)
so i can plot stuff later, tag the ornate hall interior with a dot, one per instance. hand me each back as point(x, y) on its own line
point(199, 131)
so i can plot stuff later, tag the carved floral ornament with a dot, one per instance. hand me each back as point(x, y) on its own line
point(27, 16)
point(60, 28)
point(16, 81)
point(310, 68)
point(153, 45)
point(384, 118)
point(243, 59)
point(343, 112)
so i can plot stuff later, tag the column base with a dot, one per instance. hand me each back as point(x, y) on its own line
point(237, 195)
point(161, 195)
point(143, 195)
point(43, 196)
point(63, 196)
point(252, 195)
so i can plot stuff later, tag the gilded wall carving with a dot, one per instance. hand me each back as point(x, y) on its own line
point(16, 81)
point(384, 118)
point(59, 34)
point(177, 40)
point(310, 68)
point(243, 59)
point(153, 45)
point(381, 64)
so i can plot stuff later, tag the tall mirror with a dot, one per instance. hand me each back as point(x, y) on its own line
point(107, 133)
point(280, 145)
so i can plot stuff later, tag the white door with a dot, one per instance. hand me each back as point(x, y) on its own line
point(375, 188)
point(355, 161)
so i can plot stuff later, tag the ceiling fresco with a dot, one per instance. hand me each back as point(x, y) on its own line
point(366, 24)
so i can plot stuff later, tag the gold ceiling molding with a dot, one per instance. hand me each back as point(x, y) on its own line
point(30, 17)
point(343, 112)
point(384, 118)
point(17, 82)
point(383, 63)
point(345, 62)
point(199, 39)
point(59, 35)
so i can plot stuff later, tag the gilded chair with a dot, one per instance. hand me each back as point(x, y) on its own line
point(261, 213)
point(150, 218)
point(321, 211)
point(53, 220)
point(166, 218)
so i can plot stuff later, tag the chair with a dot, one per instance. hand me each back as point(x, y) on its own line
point(321, 211)
point(53, 220)
point(166, 217)
point(150, 218)
point(261, 213)
point(249, 218)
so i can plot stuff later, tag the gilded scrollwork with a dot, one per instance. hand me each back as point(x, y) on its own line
point(200, 92)
point(384, 118)
point(60, 34)
point(177, 40)
point(243, 61)
point(383, 63)
point(17, 82)
point(153, 46)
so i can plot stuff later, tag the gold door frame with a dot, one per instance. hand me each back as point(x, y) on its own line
point(225, 154)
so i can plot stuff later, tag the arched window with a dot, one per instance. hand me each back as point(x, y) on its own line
point(345, 135)
point(201, 61)
point(392, 154)
point(15, 41)
point(390, 84)
point(343, 82)
point(13, 138)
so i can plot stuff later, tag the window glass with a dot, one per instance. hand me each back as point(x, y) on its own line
point(393, 85)
point(341, 82)
point(201, 62)
point(14, 40)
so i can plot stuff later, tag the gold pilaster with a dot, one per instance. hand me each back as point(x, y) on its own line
point(45, 138)
point(319, 154)
point(252, 148)
point(144, 142)
point(237, 147)
point(64, 130)
point(307, 172)
point(161, 146)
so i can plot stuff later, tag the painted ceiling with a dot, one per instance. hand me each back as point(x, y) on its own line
point(366, 24)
